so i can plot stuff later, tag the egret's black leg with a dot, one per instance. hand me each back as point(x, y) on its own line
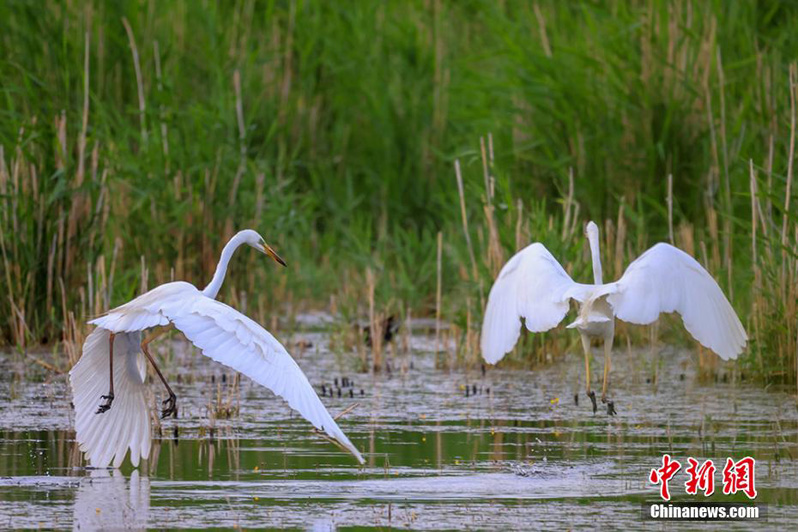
point(590, 393)
point(104, 407)
point(592, 396)
point(170, 403)
point(607, 365)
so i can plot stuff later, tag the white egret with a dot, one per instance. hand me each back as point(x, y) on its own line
point(115, 349)
point(535, 287)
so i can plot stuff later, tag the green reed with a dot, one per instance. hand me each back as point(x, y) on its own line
point(137, 136)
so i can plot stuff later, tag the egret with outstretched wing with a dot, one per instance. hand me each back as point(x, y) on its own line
point(115, 349)
point(535, 287)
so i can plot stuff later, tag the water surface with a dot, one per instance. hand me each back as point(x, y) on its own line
point(518, 453)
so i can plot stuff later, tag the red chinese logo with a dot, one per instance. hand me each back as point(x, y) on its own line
point(739, 476)
point(702, 478)
point(664, 474)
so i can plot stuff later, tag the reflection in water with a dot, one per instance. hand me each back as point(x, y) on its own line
point(107, 500)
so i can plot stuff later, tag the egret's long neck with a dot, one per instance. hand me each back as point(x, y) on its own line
point(596, 256)
point(213, 287)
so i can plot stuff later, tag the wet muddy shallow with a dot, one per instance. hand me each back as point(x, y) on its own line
point(517, 454)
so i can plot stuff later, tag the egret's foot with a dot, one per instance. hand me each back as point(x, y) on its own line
point(611, 408)
point(170, 407)
point(104, 407)
point(576, 399)
point(592, 395)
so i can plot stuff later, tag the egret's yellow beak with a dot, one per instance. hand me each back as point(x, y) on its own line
point(267, 249)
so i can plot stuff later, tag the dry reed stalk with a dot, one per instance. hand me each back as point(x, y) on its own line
point(50, 274)
point(375, 328)
point(755, 301)
point(242, 151)
point(139, 81)
point(620, 239)
point(685, 239)
point(788, 190)
point(727, 240)
point(90, 285)
point(464, 216)
point(712, 219)
point(485, 173)
point(144, 279)
point(519, 238)
point(495, 253)
point(544, 39)
point(439, 263)
point(569, 199)
point(164, 129)
point(7, 270)
point(670, 207)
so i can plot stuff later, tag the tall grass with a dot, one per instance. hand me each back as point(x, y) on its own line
point(137, 136)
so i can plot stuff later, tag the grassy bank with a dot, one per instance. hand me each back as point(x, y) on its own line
point(137, 136)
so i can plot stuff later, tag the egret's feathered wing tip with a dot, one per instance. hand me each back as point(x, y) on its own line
point(532, 285)
point(229, 337)
point(666, 279)
point(107, 437)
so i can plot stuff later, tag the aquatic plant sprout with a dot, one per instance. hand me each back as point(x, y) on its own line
point(114, 348)
point(534, 286)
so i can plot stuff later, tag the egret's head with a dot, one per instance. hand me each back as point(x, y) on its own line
point(253, 239)
point(591, 230)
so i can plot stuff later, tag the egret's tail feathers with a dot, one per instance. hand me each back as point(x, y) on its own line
point(593, 317)
point(106, 437)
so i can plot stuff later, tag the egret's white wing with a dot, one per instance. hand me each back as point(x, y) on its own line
point(106, 438)
point(666, 279)
point(147, 310)
point(230, 337)
point(534, 286)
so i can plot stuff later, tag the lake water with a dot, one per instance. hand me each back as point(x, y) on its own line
point(517, 454)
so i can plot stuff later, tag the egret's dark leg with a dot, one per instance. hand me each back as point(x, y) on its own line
point(170, 408)
point(104, 407)
point(607, 366)
point(590, 393)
